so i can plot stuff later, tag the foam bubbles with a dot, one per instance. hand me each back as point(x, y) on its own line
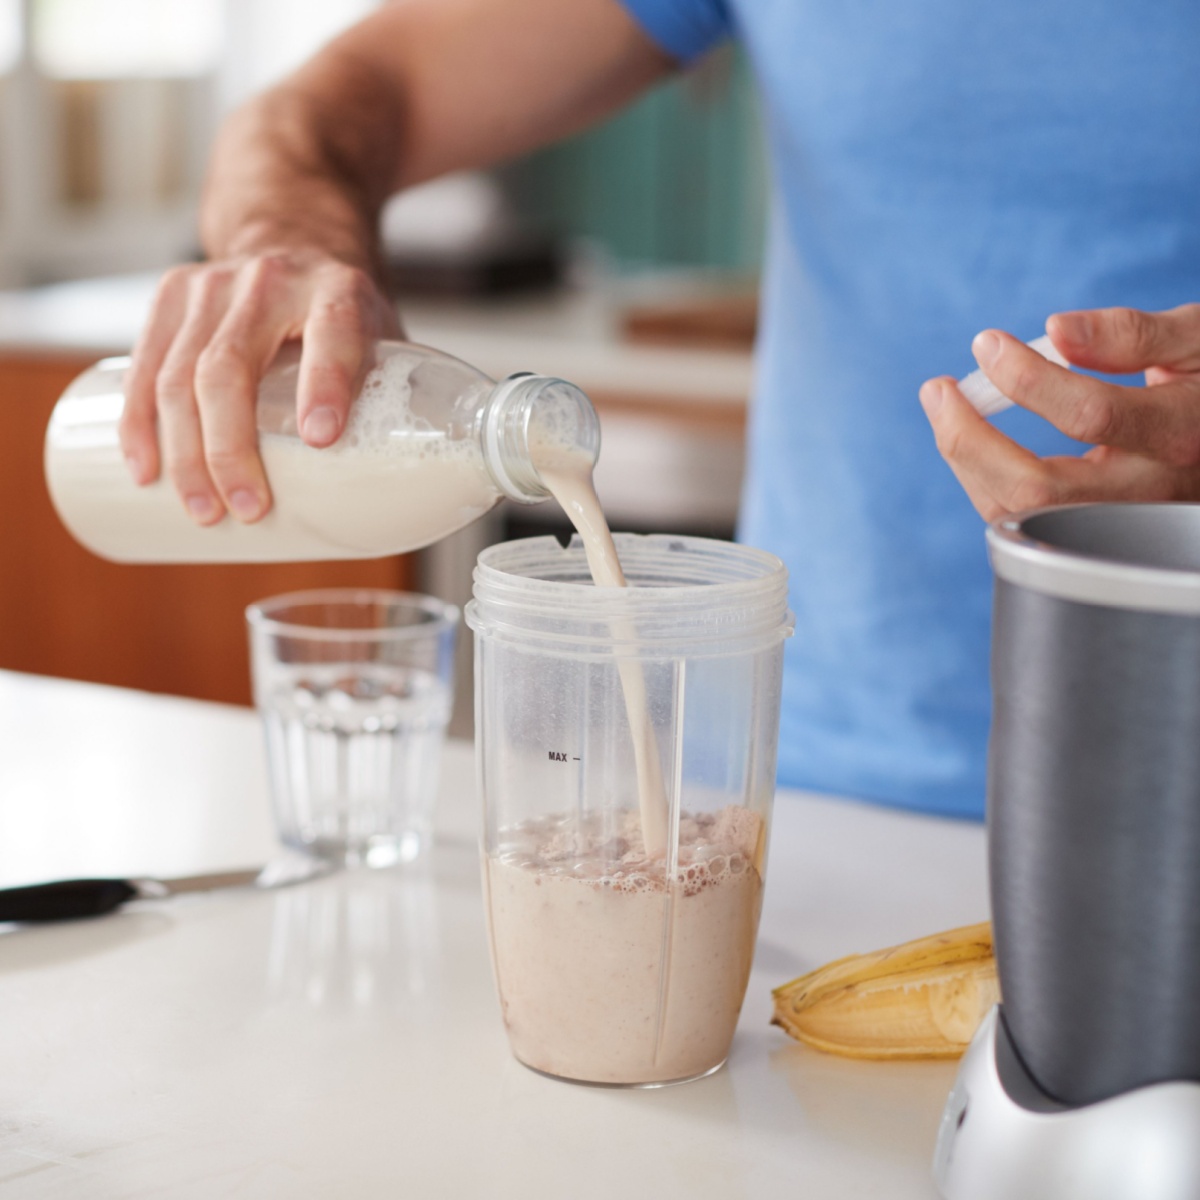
point(382, 420)
point(604, 850)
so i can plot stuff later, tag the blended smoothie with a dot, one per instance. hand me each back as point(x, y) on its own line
point(612, 966)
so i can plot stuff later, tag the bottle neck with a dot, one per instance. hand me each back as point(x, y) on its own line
point(528, 419)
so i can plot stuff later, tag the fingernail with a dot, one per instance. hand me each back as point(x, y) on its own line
point(245, 503)
point(986, 348)
point(136, 468)
point(203, 508)
point(1076, 328)
point(931, 396)
point(321, 426)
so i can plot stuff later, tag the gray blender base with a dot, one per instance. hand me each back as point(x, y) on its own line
point(1012, 1142)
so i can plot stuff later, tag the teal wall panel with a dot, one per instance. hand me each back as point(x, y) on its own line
point(677, 179)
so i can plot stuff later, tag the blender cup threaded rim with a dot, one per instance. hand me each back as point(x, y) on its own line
point(687, 595)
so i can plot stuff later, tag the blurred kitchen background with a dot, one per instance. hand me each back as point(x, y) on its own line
point(624, 259)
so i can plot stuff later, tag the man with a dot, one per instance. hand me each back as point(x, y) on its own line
point(939, 167)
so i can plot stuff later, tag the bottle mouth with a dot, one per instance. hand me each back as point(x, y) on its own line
point(530, 418)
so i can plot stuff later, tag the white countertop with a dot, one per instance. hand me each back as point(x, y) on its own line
point(342, 1038)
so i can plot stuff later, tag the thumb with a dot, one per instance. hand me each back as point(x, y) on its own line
point(1123, 340)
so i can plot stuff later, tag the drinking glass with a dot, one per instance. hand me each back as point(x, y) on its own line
point(355, 690)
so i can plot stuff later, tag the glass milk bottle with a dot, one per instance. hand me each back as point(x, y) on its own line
point(430, 445)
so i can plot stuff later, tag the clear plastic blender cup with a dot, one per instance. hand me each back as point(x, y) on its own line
point(619, 961)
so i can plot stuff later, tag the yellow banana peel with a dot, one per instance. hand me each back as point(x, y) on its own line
point(924, 999)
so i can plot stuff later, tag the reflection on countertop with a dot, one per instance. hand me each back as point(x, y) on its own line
point(357, 941)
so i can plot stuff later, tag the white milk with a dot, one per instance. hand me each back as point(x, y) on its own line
point(393, 482)
point(568, 475)
point(363, 507)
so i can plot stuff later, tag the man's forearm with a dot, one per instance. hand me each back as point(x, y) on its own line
point(290, 212)
point(415, 90)
point(307, 166)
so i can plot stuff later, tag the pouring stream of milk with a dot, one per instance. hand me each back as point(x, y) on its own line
point(568, 476)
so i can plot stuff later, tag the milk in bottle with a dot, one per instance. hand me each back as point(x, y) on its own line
point(430, 445)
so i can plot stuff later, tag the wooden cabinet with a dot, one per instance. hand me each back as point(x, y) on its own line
point(64, 612)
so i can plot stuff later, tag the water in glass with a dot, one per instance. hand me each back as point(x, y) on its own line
point(355, 749)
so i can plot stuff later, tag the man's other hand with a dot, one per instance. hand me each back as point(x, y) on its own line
point(1146, 440)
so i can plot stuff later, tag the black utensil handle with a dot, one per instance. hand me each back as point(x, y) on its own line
point(65, 899)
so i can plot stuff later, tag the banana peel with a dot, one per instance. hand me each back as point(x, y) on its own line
point(924, 999)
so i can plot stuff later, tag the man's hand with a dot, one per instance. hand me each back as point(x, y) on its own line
point(1146, 439)
point(289, 216)
point(213, 331)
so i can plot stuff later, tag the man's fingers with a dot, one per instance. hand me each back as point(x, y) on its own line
point(1124, 340)
point(178, 416)
point(997, 474)
point(1162, 421)
point(213, 332)
point(138, 428)
point(265, 309)
point(1107, 474)
point(1001, 477)
point(344, 318)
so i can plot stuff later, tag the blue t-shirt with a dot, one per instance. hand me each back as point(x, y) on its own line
point(939, 167)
